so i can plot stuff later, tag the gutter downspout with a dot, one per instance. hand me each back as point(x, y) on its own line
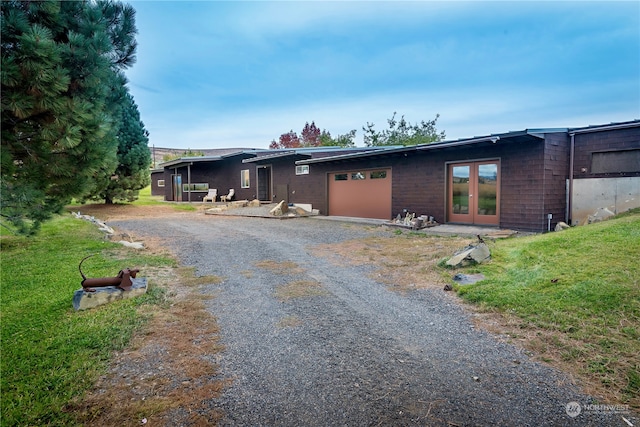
point(570, 195)
point(189, 180)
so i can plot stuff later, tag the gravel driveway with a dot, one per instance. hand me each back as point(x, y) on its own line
point(356, 353)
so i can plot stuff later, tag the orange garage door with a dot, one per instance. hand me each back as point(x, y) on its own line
point(362, 194)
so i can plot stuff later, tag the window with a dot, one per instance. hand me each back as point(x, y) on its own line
point(244, 178)
point(356, 176)
point(203, 186)
point(378, 175)
point(302, 170)
point(161, 183)
point(615, 161)
point(341, 177)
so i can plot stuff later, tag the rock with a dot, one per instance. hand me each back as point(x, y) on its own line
point(255, 203)
point(478, 253)
point(599, 215)
point(306, 206)
point(134, 245)
point(448, 287)
point(467, 279)
point(300, 211)
point(216, 210)
point(102, 226)
point(237, 204)
point(84, 300)
point(561, 226)
point(280, 209)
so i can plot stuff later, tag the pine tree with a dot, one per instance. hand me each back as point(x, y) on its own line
point(62, 88)
point(134, 157)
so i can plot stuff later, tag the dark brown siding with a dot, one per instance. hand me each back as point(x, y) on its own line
point(419, 180)
point(556, 173)
point(596, 142)
point(155, 177)
point(220, 174)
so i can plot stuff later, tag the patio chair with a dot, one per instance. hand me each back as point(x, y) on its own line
point(228, 197)
point(211, 195)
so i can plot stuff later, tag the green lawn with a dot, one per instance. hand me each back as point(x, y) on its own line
point(578, 291)
point(51, 353)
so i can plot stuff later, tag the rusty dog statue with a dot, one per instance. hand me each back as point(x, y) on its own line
point(121, 281)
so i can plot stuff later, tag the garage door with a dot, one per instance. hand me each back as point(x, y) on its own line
point(362, 194)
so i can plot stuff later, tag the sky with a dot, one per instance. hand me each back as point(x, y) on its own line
point(217, 74)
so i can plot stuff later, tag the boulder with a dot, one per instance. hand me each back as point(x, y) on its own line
point(561, 226)
point(216, 210)
point(478, 253)
point(599, 215)
point(280, 209)
point(83, 300)
point(300, 211)
point(134, 245)
point(255, 203)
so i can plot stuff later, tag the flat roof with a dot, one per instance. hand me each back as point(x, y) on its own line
point(185, 161)
point(532, 133)
point(601, 128)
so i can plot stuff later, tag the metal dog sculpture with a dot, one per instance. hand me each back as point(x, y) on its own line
point(121, 281)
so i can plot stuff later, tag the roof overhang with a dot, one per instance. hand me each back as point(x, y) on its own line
point(602, 128)
point(189, 161)
point(269, 157)
point(377, 152)
point(520, 136)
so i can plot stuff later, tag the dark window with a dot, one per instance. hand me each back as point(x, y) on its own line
point(356, 176)
point(615, 161)
point(378, 175)
point(195, 187)
point(341, 177)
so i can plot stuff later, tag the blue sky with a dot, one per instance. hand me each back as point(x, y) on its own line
point(212, 74)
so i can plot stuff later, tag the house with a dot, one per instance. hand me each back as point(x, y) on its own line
point(605, 170)
point(525, 180)
point(188, 179)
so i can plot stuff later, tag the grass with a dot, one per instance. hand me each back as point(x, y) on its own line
point(50, 353)
point(146, 199)
point(574, 298)
point(167, 368)
point(404, 260)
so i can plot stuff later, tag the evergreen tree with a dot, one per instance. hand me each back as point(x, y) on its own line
point(62, 88)
point(134, 157)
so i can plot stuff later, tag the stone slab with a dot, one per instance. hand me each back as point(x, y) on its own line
point(476, 253)
point(85, 300)
point(467, 279)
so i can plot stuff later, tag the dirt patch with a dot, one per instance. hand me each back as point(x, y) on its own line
point(284, 267)
point(410, 261)
point(128, 211)
point(168, 375)
point(403, 262)
point(299, 289)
